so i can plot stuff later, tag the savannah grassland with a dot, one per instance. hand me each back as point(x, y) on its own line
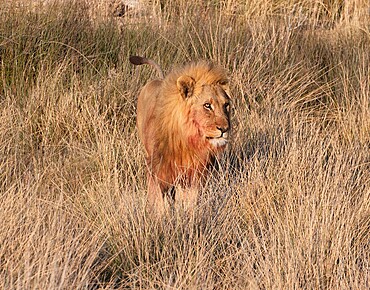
point(290, 205)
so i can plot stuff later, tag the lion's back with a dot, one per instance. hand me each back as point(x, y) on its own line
point(146, 105)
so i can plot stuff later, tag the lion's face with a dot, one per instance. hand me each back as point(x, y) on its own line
point(209, 112)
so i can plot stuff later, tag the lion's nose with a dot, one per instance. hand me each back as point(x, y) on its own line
point(223, 129)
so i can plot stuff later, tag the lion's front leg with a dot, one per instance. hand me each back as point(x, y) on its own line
point(159, 200)
point(186, 198)
point(155, 197)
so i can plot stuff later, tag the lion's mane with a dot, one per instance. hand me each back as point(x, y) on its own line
point(175, 158)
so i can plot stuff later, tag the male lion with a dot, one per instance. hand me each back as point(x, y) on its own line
point(183, 121)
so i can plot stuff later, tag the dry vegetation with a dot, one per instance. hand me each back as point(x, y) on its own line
point(289, 208)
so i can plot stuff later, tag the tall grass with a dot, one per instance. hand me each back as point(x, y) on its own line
point(289, 207)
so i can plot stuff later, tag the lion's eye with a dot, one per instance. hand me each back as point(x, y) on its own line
point(226, 106)
point(207, 106)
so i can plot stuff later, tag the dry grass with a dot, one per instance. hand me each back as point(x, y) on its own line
point(289, 208)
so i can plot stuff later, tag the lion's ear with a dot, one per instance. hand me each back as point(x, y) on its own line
point(224, 83)
point(185, 85)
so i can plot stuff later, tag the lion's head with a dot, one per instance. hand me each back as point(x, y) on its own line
point(184, 122)
point(199, 94)
point(207, 110)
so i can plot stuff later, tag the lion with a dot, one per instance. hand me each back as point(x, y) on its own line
point(183, 121)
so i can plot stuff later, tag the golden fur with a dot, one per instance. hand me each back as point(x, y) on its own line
point(183, 122)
